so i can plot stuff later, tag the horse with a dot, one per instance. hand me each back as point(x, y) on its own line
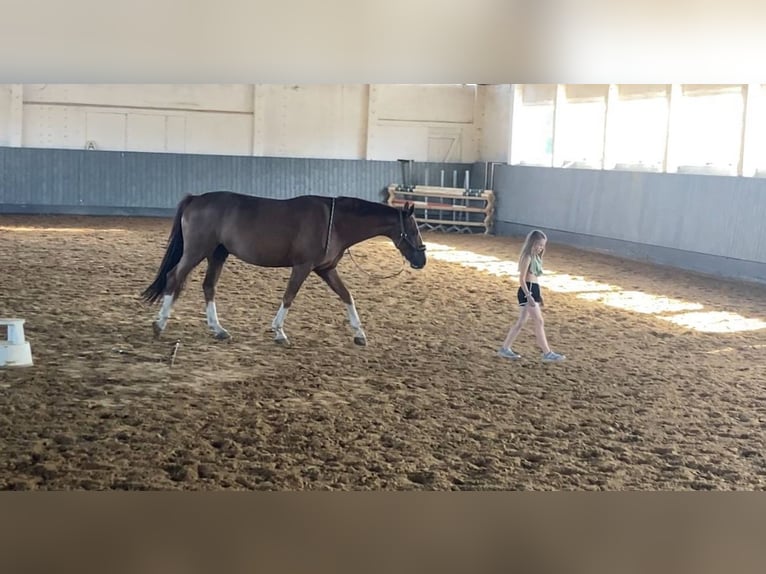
point(309, 233)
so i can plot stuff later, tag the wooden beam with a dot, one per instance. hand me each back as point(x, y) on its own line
point(439, 206)
point(751, 136)
point(259, 120)
point(372, 120)
point(455, 223)
point(517, 94)
point(670, 161)
point(425, 210)
point(435, 191)
point(610, 132)
point(16, 120)
point(558, 104)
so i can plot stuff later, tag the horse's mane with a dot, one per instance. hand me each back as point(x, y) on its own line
point(366, 207)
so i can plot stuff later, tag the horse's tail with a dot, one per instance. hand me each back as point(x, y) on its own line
point(173, 253)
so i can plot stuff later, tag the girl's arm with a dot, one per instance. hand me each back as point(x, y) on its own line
point(523, 270)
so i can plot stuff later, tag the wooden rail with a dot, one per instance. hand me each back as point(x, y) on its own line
point(447, 208)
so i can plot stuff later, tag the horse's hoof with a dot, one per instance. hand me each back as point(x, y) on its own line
point(282, 341)
point(361, 341)
point(222, 335)
point(156, 329)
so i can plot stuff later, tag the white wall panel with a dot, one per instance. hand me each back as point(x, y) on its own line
point(107, 130)
point(217, 133)
point(314, 121)
point(175, 134)
point(399, 142)
point(443, 117)
point(495, 123)
point(445, 144)
point(146, 132)
point(54, 126)
point(428, 103)
point(5, 114)
point(218, 97)
point(323, 121)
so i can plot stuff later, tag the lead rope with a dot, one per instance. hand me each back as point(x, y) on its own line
point(348, 250)
point(379, 277)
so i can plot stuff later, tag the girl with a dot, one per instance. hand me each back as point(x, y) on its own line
point(530, 300)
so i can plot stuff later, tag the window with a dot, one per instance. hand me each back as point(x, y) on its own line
point(580, 126)
point(581, 134)
point(639, 132)
point(757, 136)
point(533, 125)
point(708, 131)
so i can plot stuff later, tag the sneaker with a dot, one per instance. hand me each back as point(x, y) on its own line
point(508, 354)
point(552, 357)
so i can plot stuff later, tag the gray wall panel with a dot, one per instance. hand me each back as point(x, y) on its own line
point(103, 182)
point(698, 262)
point(708, 218)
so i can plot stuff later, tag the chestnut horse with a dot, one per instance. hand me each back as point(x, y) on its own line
point(308, 233)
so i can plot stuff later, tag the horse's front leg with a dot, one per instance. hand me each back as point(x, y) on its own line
point(214, 267)
point(356, 324)
point(297, 277)
point(331, 277)
point(278, 323)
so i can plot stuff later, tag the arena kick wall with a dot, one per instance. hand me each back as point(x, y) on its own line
point(89, 182)
point(710, 224)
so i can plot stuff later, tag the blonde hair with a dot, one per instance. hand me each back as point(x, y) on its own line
point(532, 237)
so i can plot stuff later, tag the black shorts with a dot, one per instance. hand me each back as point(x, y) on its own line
point(534, 288)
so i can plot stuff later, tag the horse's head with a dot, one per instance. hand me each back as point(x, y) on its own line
point(407, 238)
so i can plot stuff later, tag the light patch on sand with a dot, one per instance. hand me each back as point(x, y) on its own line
point(716, 322)
point(611, 295)
point(565, 283)
point(640, 302)
point(64, 229)
point(733, 350)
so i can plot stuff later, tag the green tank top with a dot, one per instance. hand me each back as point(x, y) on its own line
point(536, 265)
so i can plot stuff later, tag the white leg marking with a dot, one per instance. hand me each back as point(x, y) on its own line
point(279, 319)
point(164, 314)
point(355, 322)
point(212, 321)
point(278, 323)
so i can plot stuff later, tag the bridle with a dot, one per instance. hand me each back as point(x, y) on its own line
point(403, 236)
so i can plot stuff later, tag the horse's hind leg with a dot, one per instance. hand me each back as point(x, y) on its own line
point(214, 266)
point(331, 277)
point(297, 277)
point(176, 279)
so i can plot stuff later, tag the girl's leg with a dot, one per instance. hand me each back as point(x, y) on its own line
point(539, 325)
point(516, 329)
point(548, 355)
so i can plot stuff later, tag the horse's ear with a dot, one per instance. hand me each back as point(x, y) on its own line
point(410, 208)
